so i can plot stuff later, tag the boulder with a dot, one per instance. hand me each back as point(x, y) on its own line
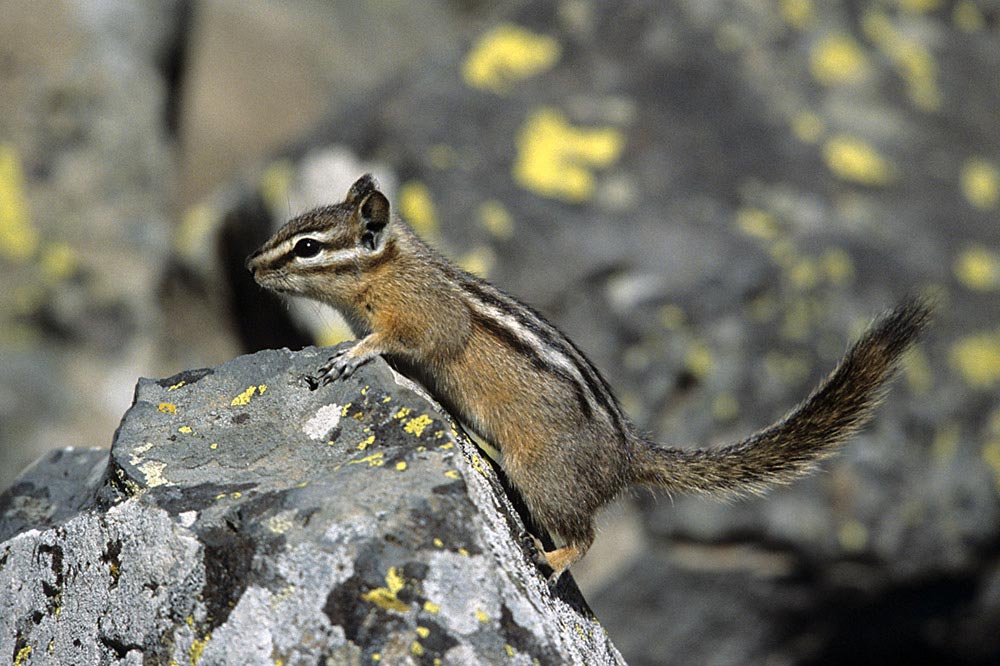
point(245, 517)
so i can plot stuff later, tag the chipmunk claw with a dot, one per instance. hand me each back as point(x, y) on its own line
point(541, 561)
point(341, 366)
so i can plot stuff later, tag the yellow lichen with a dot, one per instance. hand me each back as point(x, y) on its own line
point(374, 460)
point(508, 54)
point(946, 441)
point(919, 69)
point(22, 655)
point(198, 648)
point(725, 407)
point(244, 397)
point(401, 466)
point(167, 407)
point(980, 181)
point(416, 426)
point(852, 159)
point(807, 127)
point(385, 597)
point(838, 59)
point(757, 223)
point(977, 359)
point(804, 274)
point(991, 456)
point(853, 535)
point(919, 6)
point(417, 208)
point(783, 252)
point(185, 430)
point(452, 474)
point(176, 386)
point(797, 13)
point(479, 465)
point(915, 63)
point(917, 371)
point(478, 261)
point(432, 607)
point(672, 317)
point(555, 159)
point(366, 443)
point(58, 261)
point(837, 266)
point(496, 219)
point(481, 616)
point(18, 239)
point(699, 359)
point(978, 268)
point(967, 17)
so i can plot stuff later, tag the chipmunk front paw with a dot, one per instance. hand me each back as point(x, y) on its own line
point(342, 365)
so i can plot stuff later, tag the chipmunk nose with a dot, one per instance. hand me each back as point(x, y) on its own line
point(249, 262)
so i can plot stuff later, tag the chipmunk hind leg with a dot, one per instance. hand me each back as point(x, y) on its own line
point(567, 512)
point(560, 559)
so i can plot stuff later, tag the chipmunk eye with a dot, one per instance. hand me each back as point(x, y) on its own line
point(307, 247)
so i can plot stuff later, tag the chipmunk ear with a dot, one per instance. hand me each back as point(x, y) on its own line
point(373, 214)
point(362, 187)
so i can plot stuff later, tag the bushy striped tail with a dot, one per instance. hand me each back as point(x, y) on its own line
point(790, 448)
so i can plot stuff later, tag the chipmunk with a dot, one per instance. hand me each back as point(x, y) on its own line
point(526, 389)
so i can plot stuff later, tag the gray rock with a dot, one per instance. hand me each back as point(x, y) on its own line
point(245, 518)
point(87, 176)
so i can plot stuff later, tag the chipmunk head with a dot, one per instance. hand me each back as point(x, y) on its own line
point(327, 246)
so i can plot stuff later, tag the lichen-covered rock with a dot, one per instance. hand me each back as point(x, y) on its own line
point(245, 518)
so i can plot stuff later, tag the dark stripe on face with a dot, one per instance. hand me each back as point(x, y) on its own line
point(325, 269)
point(499, 331)
point(290, 256)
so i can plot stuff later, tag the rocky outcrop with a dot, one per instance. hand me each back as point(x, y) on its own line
point(245, 518)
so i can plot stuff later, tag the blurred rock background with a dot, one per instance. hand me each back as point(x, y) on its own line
point(710, 196)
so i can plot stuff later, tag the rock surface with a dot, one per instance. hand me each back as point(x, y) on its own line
point(247, 519)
